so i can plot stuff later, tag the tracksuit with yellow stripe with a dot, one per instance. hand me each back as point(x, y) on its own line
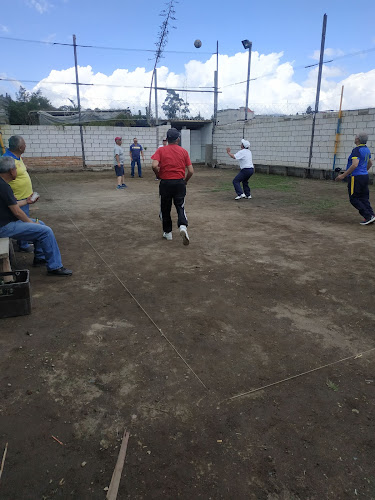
point(358, 181)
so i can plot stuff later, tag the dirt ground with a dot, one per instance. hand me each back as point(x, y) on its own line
point(159, 338)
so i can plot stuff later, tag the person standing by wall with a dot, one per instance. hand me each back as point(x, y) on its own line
point(21, 185)
point(170, 164)
point(135, 152)
point(119, 163)
point(359, 163)
point(247, 169)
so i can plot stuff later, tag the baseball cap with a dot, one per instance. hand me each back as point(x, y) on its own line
point(246, 144)
point(118, 139)
point(173, 134)
point(164, 139)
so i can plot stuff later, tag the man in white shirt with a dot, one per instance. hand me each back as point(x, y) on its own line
point(119, 163)
point(245, 158)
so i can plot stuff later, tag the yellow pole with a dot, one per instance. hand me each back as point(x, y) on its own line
point(338, 123)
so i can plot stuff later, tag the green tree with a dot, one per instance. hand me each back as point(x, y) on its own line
point(175, 106)
point(309, 110)
point(25, 102)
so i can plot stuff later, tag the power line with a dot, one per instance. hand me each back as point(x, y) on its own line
point(99, 46)
point(17, 80)
point(351, 54)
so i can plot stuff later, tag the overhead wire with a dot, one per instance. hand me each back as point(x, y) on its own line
point(101, 47)
point(295, 68)
point(18, 80)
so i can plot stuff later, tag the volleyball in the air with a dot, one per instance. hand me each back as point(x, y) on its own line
point(198, 44)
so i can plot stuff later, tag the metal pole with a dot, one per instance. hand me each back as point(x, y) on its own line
point(79, 101)
point(215, 98)
point(248, 81)
point(318, 87)
point(156, 109)
point(216, 84)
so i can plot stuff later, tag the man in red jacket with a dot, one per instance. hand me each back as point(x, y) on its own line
point(172, 165)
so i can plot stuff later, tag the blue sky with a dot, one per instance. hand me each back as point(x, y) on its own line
point(285, 35)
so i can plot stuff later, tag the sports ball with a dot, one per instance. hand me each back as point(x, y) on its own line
point(198, 44)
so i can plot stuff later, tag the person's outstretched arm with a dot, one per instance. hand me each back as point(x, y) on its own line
point(230, 154)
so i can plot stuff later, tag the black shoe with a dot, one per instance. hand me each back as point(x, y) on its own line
point(26, 250)
point(140, 176)
point(60, 272)
point(39, 262)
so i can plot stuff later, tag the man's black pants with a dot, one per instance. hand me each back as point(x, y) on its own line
point(172, 190)
point(359, 195)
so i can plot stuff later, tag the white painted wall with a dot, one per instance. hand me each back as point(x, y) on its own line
point(196, 145)
point(285, 141)
point(48, 140)
point(185, 139)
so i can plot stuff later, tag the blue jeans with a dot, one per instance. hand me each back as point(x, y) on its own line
point(42, 236)
point(138, 161)
point(243, 176)
point(23, 245)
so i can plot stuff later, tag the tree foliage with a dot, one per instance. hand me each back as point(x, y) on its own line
point(309, 110)
point(174, 106)
point(25, 102)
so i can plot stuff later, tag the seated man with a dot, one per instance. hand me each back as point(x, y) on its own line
point(14, 223)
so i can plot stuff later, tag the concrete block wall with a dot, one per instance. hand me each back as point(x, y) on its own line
point(56, 146)
point(285, 141)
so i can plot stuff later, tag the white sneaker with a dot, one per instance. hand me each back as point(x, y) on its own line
point(368, 221)
point(240, 196)
point(248, 197)
point(167, 236)
point(184, 235)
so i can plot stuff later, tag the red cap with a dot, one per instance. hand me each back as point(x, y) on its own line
point(118, 139)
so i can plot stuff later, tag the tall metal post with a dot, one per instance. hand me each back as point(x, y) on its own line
point(156, 109)
point(79, 102)
point(216, 83)
point(248, 81)
point(318, 88)
point(215, 98)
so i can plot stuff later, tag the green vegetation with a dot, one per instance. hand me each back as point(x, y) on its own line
point(331, 385)
point(20, 111)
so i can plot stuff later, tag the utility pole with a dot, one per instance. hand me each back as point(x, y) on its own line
point(318, 89)
point(79, 102)
point(156, 109)
point(216, 84)
point(248, 81)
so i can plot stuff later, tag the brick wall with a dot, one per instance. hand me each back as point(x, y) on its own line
point(275, 141)
point(60, 147)
point(285, 141)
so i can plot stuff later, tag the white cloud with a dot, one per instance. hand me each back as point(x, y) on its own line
point(40, 5)
point(4, 29)
point(274, 89)
point(327, 53)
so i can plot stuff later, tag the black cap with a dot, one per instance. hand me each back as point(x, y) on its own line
point(173, 134)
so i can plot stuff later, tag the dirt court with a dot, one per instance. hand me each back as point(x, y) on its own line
point(159, 338)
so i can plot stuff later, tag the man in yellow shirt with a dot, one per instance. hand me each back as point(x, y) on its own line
point(21, 186)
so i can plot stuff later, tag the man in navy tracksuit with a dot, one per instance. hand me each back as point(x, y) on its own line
point(359, 163)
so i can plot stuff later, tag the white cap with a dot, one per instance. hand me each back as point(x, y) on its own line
point(245, 143)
